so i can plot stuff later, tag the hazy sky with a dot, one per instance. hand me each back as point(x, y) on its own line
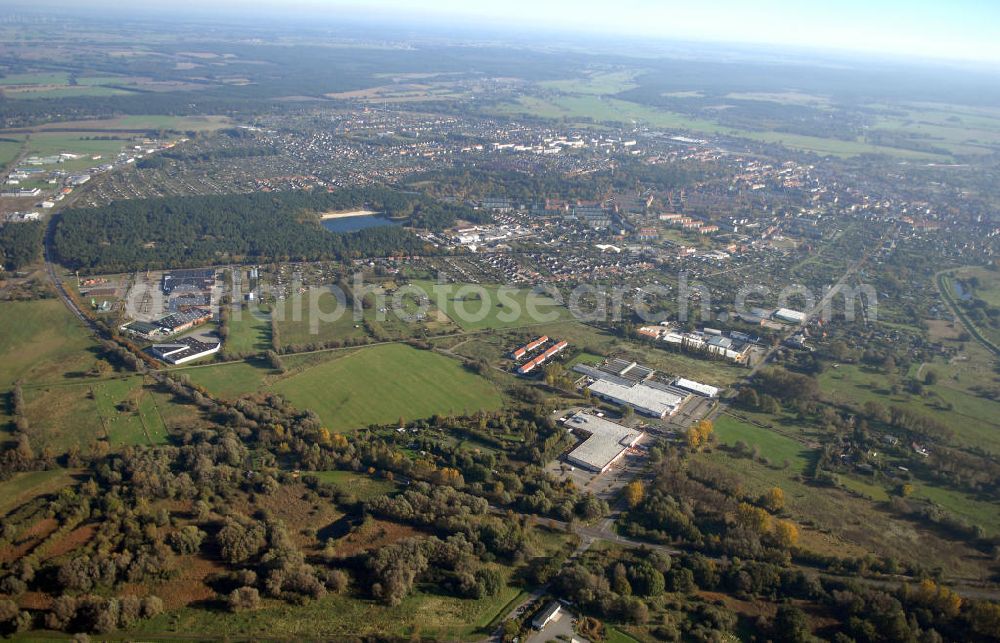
point(956, 29)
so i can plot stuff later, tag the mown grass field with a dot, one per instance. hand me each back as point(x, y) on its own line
point(380, 384)
point(248, 334)
point(353, 388)
point(774, 446)
point(297, 326)
point(231, 379)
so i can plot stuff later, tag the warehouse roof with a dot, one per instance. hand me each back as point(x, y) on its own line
point(642, 398)
point(696, 387)
point(606, 442)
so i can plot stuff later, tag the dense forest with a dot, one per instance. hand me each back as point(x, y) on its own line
point(20, 244)
point(199, 230)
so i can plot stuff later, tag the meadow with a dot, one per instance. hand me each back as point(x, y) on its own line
point(973, 418)
point(352, 388)
point(833, 521)
point(10, 147)
point(421, 614)
point(478, 307)
point(248, 334)
point(380, 384)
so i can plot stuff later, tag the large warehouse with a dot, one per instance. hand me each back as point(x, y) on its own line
point(607, 441)
point(184, 350)
point(643, 398)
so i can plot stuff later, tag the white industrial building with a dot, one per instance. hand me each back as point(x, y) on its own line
point(606, 442)
point(696, 387)
point(643, 398)
point(184, 350)
point(790, 316)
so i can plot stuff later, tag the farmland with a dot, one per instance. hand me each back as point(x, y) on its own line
point(354, 388)
point(248, 333)
point(593, 105)
point(476, 307)
point(379, 385)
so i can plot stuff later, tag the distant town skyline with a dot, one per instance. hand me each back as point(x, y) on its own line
point(955, 30)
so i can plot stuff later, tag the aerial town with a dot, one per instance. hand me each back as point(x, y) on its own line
point(336, 332)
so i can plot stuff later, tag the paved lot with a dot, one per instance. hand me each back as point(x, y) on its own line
point(562, 626)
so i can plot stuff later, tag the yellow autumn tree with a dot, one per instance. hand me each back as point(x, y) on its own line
point(697, 434)
point(753, 518)
point(634, 493)
point(942, 599)
point(786, 533)
point(773, 499)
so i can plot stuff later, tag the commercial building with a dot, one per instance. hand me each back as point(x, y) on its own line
point(733, 346)
point(654, 401)
point(696, 387)
point(606, 441)
point(180, 322)
point(184, 350)
point(789, 316)
point(547, 615)
point(169, 325)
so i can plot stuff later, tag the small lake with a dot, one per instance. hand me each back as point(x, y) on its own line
point(353, 224)
point(960, 290)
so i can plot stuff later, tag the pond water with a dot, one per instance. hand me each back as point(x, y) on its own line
point(353, 224)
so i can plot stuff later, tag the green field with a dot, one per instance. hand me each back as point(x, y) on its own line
point(49, 143)
point(960, 129)
point(41, 341)
point(10, 147)
point(143, 426)
point(974, 419)
point(41, 78)
point(597, 84)
point(67, 91)
point(378, 385)
point(477, 307)
point(432, 616)
point(774, 446)
point(296, 325)
point(353, 388)
point(22, 487)
point(248, 334)
point(362, 487)
point(231, 379)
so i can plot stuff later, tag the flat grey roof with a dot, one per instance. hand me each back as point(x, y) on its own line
point(606, 442)
point(641, 397)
